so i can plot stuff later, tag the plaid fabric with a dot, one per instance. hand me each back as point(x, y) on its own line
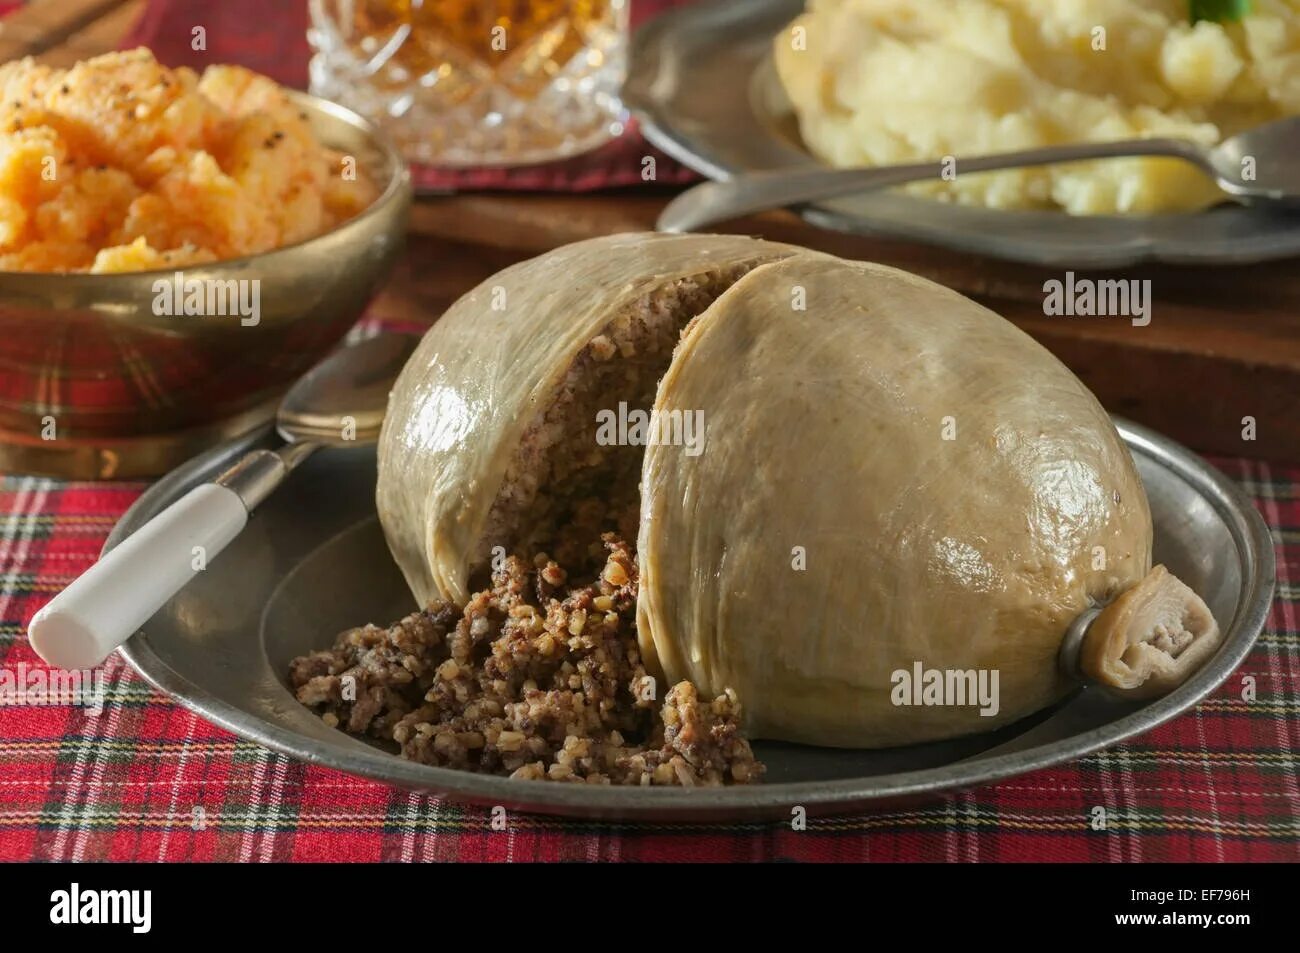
point(102, 378)
point(239, 31)
point(146, 780)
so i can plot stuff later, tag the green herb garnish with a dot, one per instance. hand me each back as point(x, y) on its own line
point(1220, 11)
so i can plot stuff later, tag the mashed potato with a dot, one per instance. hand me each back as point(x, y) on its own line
point(120, 164)
point(878, 82)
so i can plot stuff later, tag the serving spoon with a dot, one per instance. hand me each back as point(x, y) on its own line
point(1258, 166)
point(338, 403)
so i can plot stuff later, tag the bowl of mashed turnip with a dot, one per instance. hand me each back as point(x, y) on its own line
point(175, 250)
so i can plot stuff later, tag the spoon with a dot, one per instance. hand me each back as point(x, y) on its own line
point(338, 403)
point(1256, 167)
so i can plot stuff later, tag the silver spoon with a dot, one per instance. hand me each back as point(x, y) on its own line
point(339, 403)
point(1260, 166)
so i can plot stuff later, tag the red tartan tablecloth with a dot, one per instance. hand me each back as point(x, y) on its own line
point(1220, 783)
point(1217, 784)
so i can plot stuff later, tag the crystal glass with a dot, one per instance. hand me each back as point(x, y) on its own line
point(476, 82)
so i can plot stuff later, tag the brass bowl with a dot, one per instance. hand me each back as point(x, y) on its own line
point(94, 384)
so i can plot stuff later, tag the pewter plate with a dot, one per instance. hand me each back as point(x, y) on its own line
point(313, 562)
point(702, 84)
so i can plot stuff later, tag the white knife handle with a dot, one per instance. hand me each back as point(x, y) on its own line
point(107, 604)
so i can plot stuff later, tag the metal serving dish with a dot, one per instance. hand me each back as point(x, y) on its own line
point(702, 84)
point(313, 562)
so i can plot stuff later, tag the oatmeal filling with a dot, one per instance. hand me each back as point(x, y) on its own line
point(537, 677)
point(559, 459)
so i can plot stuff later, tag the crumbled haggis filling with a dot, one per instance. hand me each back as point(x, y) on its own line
point(559, 458)
point(538, 676)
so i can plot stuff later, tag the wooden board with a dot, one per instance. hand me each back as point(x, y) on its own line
point(43, 26)
point(1222, 348)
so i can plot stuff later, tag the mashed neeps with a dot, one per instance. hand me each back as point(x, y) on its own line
point(121, 164)
point(878, 82)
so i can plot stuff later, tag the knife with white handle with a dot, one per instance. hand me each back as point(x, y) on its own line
point(107, 604)
point(339, 403)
